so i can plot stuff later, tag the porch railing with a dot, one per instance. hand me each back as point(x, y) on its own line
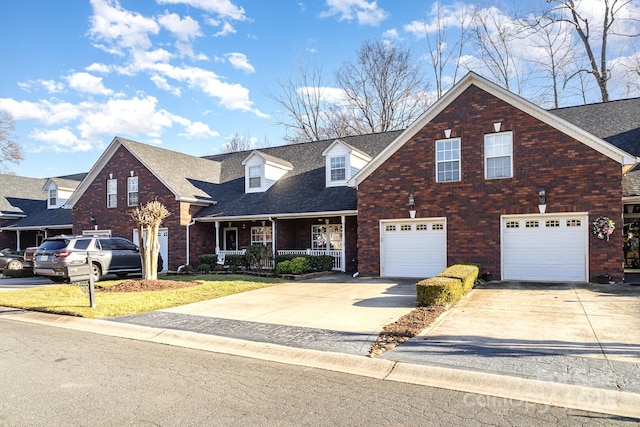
point(336, 255)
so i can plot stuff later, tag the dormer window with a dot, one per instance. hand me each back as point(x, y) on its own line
point(262, 170)
point(338, 168)
point(342, 162)
point(53, 197)
point(255, 177)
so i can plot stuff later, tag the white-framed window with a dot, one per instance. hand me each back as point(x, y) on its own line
point(448, 160)
point(255, 176)
point(262, 236)
point(338, 168)
point(498, 155)
point(53, 197)
point(112, 193)
point(132, 191)
point(323, 234)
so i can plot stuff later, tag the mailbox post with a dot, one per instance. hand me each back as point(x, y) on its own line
point(82, 273)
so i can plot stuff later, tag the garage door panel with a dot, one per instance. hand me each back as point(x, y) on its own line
point(413, 248)
point(554, 250)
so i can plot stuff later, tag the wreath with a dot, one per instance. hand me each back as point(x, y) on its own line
point(603, 226)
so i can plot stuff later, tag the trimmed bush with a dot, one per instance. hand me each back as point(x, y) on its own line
point(235, 262)
point(257, 255)
point(211, 259)
point(283, 267)
point(316, 262)
point(299, 265)
point(467, 273)
point(25, 272)
point(204, 268)
point(439, 290)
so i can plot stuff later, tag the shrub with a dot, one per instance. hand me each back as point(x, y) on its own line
point(467, 273)
point(299, 265)
point(283, 267)
point(187, 269)
point(257, 255)
point(235, 262)
point(211, 259)
point(439, 290)
point(204, 268)
point(316, 262)
point(25, 272)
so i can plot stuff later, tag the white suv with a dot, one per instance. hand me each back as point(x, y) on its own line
point(108, 255)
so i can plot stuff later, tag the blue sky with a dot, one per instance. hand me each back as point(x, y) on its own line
point(181, 74)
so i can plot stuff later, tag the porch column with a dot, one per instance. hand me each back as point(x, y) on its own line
point(274, 237)
point(343, 255)
point(217, 223)
point(17, 240)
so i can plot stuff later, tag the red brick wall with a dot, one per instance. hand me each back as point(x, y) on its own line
point(118, 220)
point(576, 178)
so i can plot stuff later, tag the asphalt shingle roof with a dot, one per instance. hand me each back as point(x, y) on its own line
point(617, 122)
point(187, 176)
point(17, 193)
point(300, 190)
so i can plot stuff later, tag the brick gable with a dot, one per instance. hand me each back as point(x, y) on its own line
point(576, 178)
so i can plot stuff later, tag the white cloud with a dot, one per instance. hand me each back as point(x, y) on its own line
point(199, 130)
point(87, 83)
point(366, 13)
point(162, 83)
point(184, 29)
point(224, 8)
point(98, 68)
point(60, 140)
point(120, 28)
point(391, 34)
point(227, 28)
point(240, 62)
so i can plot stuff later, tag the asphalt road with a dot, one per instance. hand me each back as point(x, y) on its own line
point(53, 376)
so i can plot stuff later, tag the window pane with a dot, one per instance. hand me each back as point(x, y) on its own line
point(498, 150)
point(254, 182)
point(338, 174)
point(448, 160)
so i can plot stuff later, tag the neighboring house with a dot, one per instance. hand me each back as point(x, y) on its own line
point(30, 209)
point(477, 164)
point(483, 176)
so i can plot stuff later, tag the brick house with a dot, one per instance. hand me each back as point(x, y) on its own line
point(494, 180)
point(483, 176)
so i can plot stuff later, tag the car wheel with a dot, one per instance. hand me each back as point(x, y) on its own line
point(96, 272)
point(14, 265)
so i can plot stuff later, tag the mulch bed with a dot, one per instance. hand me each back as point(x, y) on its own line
point(146, 286)
point(405, 328)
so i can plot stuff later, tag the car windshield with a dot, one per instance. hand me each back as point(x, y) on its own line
point(53, 245)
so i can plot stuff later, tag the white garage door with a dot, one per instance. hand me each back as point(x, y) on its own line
point(413, 248)
point(545, 247)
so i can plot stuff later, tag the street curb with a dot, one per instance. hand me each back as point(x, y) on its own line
point(591, 399)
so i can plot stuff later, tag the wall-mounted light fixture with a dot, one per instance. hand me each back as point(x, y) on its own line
point(412, 206)
point(542, 200)
point(94, 222)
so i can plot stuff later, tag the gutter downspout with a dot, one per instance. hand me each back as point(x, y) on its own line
point(193, 221)
point(274, 238)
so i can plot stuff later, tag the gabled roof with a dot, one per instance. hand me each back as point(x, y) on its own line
point(301, 191)
point(188, 177)
point(41, 217)
point(617, 122)
point(18, 194)
point(353, 150)
point(627, 160)
point(64, 183)
point(269, 159)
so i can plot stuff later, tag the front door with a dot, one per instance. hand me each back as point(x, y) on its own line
point(230, 239)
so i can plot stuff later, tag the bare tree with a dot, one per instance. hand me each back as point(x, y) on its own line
point(237, 142)
point(594, 39)
point(384, 88)
point(308, 106)
point(10, 151)
point(148, 219)
point(553, 55)
point(441, 52)
point(495, 36)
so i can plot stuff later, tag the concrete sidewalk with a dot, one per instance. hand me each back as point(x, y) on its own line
point(576, 346)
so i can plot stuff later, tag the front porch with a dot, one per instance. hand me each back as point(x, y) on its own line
point(335, 236)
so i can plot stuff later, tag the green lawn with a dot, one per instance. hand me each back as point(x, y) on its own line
point(72, 300)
